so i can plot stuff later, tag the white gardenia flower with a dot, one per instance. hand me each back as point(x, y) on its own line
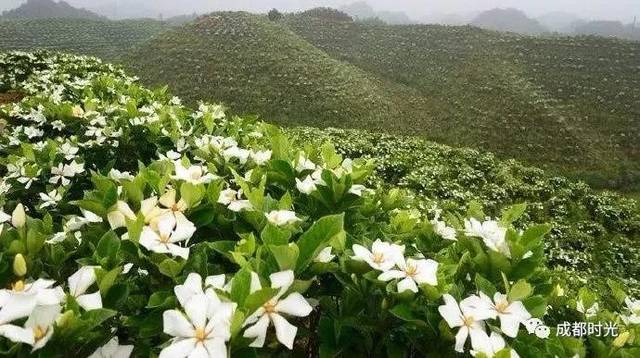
point(235, 152)
point(271, 312)
point(118, 175)
point(383, 255)
point(357, 189)
point(231, 199)
point(195, 174)
point(118, 215)
point(113, 349)
point(634, 308)
point(303, 164)
point(77, 222)
point(469, 316)
point(79, 283)
point(491, 233)
point(38, 328)
point(588, 312)
point(63, 172)
point(494, 345)
point(50, 199)
point(413, 273)
point(164, 233)
point(168, 201)
point(68, 150)
point(306, 186)
point(441, 228)
point(511, 314)
point(261, 157)
point(22, 298)
point(325, 256)
point(204, 327)
point(282, 217)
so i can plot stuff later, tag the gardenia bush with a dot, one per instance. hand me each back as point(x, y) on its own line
point(133, 225)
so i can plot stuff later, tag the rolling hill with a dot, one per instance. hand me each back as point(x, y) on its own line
point(509, 20)
point(44, 9)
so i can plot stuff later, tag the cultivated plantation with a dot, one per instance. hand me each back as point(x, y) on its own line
point(134, 220)
point(271, 186)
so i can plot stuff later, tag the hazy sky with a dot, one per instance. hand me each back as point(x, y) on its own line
point(623, 10)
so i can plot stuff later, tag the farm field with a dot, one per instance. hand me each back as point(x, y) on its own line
point(208, 229)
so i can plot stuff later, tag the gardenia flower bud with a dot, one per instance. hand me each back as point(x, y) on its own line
point(18, 217)
point(19, 265)
point(621, 339)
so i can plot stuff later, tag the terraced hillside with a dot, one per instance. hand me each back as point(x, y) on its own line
point(253, 64)
point(106, 39)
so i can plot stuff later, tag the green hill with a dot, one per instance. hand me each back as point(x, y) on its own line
point(44, 9)
point(103, 38)
point(253, 64)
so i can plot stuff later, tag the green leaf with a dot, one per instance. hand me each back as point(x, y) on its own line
point(35, 241)
point(171, 268)
point(484, 285)
point(108, 279)
point(161, 299)
point(258, 298)
point(273, 235)
point(192, 194)
point(519, 291)
point(317, 238)
point(108, 245)
point(285, 255)
point(404, 312)
point(512, 213)
point(241, 286)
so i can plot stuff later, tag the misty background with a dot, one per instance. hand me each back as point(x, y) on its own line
point(432, 11)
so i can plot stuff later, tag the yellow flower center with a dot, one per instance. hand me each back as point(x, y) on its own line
point(269, 307)
point(378, 257)
point(502, 306)
point(200, 335)
point(468, 321)
point(164, 238)
point(39, 332)
point(18, 286)
point(411, 270)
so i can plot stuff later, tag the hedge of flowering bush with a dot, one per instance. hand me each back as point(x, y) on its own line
point(133, 225)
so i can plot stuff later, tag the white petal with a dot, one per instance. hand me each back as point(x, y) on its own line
point(282, 279)
point(450, 311)
point(258, 331)
point(461, 338)
point(17, 334)
point(176, 324)
point(17, 306)
point(80, 281)
point(149, 238)
point(216, 348)
point(361, 252)
point(479, 339)
point(196, 310)
point(192, 286)
point(116, 219)
point(179, 251)
point(427, 272)
point(509, 325)
point(294, 305)
point(216, 281)
point(179, 349)
point(90, 302)
point(285, 331)
point(199, 352)
point(391, 275)
point(407, 284)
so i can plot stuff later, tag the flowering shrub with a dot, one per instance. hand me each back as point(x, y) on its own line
point(135, 225)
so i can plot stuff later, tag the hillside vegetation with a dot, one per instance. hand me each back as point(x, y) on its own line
point(254, 65)
point(566, 104)
point(103, 38)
